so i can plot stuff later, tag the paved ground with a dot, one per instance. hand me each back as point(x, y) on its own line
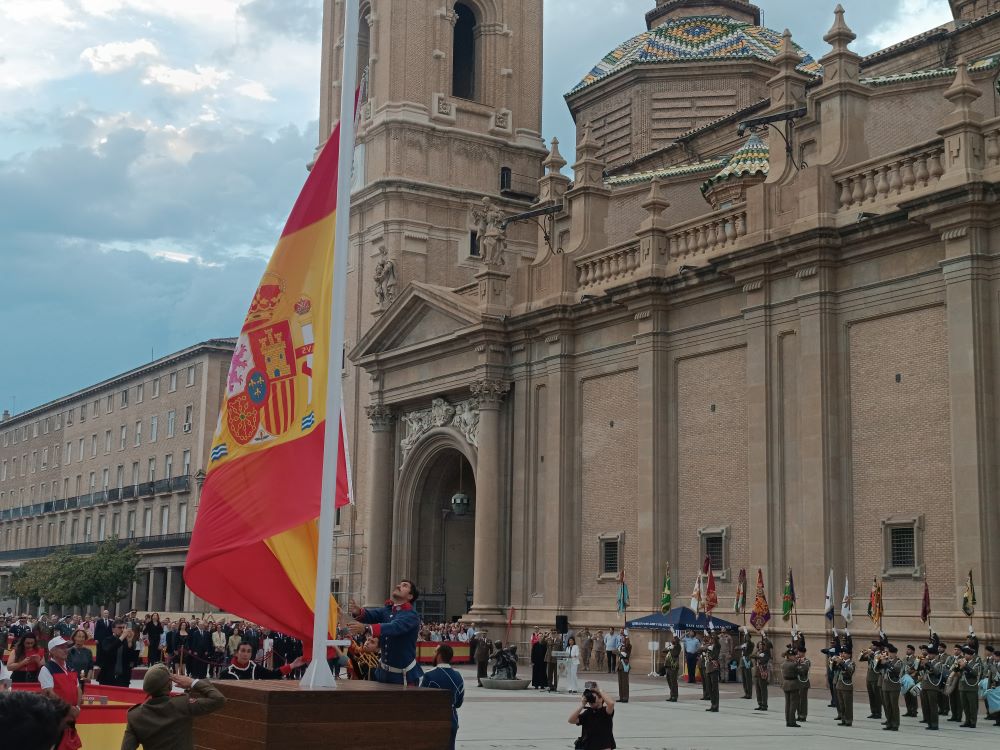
point(520, 720)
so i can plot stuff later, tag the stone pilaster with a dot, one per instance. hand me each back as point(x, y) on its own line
point(379, 519)
point(490, 392)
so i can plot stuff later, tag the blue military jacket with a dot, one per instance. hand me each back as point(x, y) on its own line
point(446, 678)
point(396, 628)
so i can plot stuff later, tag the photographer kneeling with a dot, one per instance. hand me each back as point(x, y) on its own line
point(596, 716)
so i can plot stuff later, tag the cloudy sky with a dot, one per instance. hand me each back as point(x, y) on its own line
point(150, 150)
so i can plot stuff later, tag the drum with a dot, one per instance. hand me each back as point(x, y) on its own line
point(906, 683)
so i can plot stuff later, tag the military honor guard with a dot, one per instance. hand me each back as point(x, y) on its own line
point(396, 626)
point(891, 669)
point(843, 680)
point(710, 667)
point(932, 678)
point(444, 677)
point(762, 671)
point(672, 665)
point(910, 671)
point(872, 680)
point(803, 666)
point(745, 664)
point(790, 686)
point(969, 668)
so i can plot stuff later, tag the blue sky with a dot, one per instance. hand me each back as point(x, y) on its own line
point(150, 150)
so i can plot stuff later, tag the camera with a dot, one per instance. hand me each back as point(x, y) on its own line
point(589, 696)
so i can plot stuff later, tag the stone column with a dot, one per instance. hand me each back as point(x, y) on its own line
point(150, 601)
point(378, 528)
point(168, 593)
point(490, 393)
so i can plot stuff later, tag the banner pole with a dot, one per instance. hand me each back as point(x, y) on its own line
point(318, 674)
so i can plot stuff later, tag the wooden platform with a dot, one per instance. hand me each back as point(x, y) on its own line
point(273, 715)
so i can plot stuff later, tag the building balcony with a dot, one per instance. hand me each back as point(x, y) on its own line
point(159, 542)
point(100, 497)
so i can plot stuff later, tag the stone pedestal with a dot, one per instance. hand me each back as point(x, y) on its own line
point(279, 715)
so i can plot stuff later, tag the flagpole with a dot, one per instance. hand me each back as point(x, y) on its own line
point(318, 674)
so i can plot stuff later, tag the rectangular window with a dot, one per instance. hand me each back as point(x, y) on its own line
point(171, 419)
point(138, 433)
point(190, 381)
point(115, 524)
point(609, 556)
point(107, 441)
point(182, 516)
point(120, 476)
point(156, 387)
point(173, 382)
point(154, 428)
point(69, 453)
point(74, 529)
point(902, 542)
point(34, 461)
point(45, 426)
point(93, 445)
point(138, 393)
point(147, 522)
point(188, 417)
point(152, 470)
point(105, 477)
point(45, 458)
point(101, 524)
point(186, 463)
point(34, 430)
point(131, 524)
point(164, 519)
point(714, 544)
point(109, 403)
point(124, 399)
point(83, 413)
point(95, 407)
point(80, 452)
point(88, 526)
point(122, 437)
point(93, 481)
point(713, 550)
point(135, 472)
point(168, 466)
point(3, 472)
point(66, 487)
point(69, 417)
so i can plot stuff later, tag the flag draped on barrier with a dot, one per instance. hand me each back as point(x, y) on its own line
point(761, 613)
point(255, 544)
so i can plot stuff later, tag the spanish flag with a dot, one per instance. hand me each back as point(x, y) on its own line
point(255, 543)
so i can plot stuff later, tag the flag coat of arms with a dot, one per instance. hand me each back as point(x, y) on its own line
point(761, 613)
point(925, 605)
point(740, 603)
point(255, 545)
point(875, 607)
point(846, 610)
point(828, 606)
point(969, 597)
point(711, 596)
point(665, 595)
point(696, 597)
point(788, 597)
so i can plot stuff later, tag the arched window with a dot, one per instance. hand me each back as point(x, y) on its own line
point(463, 71)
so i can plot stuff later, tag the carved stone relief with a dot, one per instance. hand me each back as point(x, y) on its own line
point(463, 416)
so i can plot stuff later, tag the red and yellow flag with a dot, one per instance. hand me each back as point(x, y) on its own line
point(255, 543)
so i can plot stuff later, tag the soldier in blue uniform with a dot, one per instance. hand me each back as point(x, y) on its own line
point(446, 678)
point(396, 626)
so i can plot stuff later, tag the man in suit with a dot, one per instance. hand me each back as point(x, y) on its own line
point(164, 722)
point(483, 648)
point(446, 678)
point(102, 630)
point(200, 646)
point(118, 656)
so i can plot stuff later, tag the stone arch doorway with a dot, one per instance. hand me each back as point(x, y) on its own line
point(438, 547)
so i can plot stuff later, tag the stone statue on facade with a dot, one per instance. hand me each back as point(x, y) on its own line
point(385, 279)
point(492, 235)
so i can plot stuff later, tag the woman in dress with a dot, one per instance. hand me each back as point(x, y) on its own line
point(81, 658)
point(152, 631)
point(26, 659)
point(181, 639)
point(219, 645)
point(573, 664)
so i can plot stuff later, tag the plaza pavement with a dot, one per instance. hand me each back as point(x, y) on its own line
point(529, 719)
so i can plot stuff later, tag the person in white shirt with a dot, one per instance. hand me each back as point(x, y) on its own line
point(611, 644)
point(573, 664)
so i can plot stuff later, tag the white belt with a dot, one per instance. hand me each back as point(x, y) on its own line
point(396, 670)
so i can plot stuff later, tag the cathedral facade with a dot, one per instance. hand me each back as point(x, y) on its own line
point(757, 325)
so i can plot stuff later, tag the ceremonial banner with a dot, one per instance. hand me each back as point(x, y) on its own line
point(846, 610)
point(969, 597)
point(696, 598)
point(761, 613)
point(829, 597)
point(788, 599)
point(711, 597)
point(925, 605)
point(255, 544)
point(665, 596)
point(740, 603)
point(622, 599)
point(875, 609)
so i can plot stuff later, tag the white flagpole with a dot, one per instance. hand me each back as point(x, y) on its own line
point(318, 674)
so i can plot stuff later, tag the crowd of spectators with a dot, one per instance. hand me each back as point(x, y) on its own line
point(448, 631)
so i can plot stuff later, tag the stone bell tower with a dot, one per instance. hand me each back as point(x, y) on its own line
point(451, 115)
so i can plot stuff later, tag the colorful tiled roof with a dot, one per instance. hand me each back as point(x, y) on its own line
point(697, 38)
point(751, 159)
point(986, 63)
point(681, 170)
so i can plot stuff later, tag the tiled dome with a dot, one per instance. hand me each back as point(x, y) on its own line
point(748, 166)
point(698, 38)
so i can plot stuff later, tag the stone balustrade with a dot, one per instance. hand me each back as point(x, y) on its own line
point(612, 264)
point(890, 177)
point(720, 231)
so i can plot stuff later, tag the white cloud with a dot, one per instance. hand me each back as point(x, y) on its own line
point(184, 11)
point(255, 90)
point(911, 17)
point(181, 81)
point(115, 56)
point(55, 12)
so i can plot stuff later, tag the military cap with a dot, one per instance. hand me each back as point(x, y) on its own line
point(991, 649)
point(911, 647)
point(968, 650)
point(892, 648)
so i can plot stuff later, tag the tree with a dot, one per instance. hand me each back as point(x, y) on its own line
point(76, 581)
